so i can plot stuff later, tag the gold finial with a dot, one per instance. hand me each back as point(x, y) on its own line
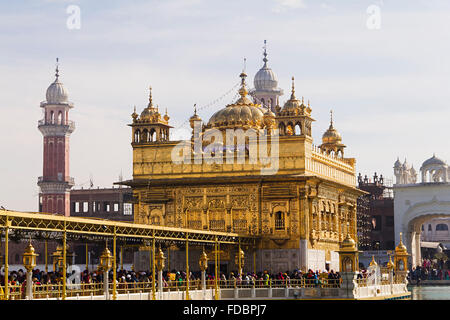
point(243, 91)
point(331, 118)
point(308, 103)
point(293, 89)
point(195, 109)
point(303, 100)
point(373, 262)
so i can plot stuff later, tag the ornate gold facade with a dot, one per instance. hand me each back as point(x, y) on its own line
point(311, 199)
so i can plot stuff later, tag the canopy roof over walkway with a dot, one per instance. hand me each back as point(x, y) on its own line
point(52, 226)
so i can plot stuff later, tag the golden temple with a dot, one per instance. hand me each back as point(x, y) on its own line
point(297, 199)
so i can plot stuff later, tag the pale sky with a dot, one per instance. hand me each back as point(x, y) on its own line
point(388, 87)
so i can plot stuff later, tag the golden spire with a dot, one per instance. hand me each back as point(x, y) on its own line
point(373, 262)
point(331, 119)
point(243, 90)
point(293, 89)
point(390, 264)
point(134, 115)
point(401, 247)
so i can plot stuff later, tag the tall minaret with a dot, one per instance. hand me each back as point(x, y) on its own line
point(56, 129)
point(266, 91)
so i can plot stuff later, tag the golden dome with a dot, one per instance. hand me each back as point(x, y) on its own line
point(348, 244)
point(166, 116)
point(30, 249)
point(293, 105)
point(401, 247)
point(331, 136)
point(390, 264)
point(241, 113)
point(150, 113)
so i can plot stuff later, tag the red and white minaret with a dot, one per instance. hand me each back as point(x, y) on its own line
point(55, 184)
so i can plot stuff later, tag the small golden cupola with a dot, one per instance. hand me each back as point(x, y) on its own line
point(401, 248)
point(292, 107)
point(294, 119)
point(242, 114)
point(332, 140)
point(194, 118)
point(150, 126)
point(348, 255)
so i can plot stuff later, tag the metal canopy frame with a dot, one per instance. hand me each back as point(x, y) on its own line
point(41, 225)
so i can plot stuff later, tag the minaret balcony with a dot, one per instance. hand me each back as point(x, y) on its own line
point(69, 180)
point(56, 128)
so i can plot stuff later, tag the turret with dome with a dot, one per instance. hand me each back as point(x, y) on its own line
point(332, 140)
point(266, 91)
point(56, 128)
point(433, 170)
point(150, 126)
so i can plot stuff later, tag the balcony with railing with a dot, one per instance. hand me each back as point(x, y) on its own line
point(217, 225)
point(240, 226)
point(69, 180)
point(279, 224)
point(195, 224)
point(70, 124)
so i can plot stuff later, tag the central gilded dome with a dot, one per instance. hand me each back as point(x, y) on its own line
point(242, 113)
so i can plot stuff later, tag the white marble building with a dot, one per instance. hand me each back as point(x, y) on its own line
point(421, 203)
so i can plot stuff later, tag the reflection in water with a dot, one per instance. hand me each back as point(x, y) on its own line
point(430, 292)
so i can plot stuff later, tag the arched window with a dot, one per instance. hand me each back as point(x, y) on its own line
point(52, 117)
point(152, 135)
point(298, 130)
point(59, 117)
point(155, 220)
point(347, 264)
point(279, 220)
point(137, 136)
point(441, 227)
point(282, 128)
point(145, 137)
point(429, 227)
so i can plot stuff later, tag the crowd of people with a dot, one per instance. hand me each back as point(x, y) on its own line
point(18, 278)
point(426, 271)
point(429, 270)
